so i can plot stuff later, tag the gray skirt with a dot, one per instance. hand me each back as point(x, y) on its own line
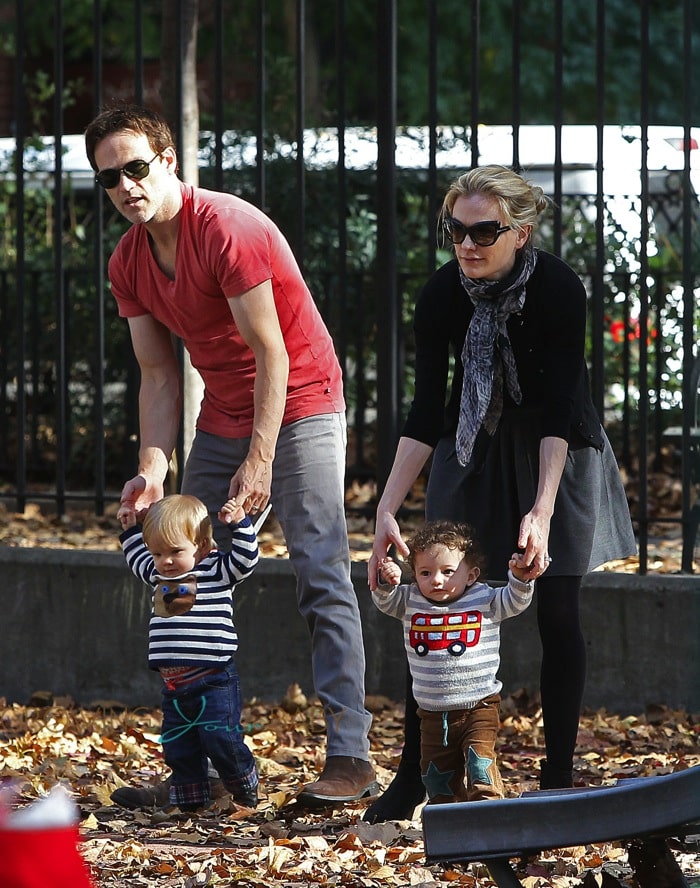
point(591, 522)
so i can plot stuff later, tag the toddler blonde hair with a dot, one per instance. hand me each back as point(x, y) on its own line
point(177, 515)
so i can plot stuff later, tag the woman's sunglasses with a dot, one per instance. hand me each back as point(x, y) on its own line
point(135, 169)
point(482, 234)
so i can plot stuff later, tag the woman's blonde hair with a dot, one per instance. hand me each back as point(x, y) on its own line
point(520, 202)
point(174, 516)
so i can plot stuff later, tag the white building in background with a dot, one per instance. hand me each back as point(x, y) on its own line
point(622, 154)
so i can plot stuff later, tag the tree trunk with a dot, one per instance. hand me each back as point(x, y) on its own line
point(312, 54)
point(181, 107)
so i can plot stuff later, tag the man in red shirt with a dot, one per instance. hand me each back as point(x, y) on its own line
point(215, 271)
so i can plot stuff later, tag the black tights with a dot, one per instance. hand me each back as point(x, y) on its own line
point(562, 674)
point(563, 670)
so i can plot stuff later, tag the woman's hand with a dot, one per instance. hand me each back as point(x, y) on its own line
point(533, 539)
point(386, 534)
point(411, 456)
point(533, 542)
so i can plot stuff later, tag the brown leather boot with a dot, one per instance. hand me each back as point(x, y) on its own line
point(344, 779)
point(157, 796)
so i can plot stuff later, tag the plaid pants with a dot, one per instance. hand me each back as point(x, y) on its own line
point(458, 752)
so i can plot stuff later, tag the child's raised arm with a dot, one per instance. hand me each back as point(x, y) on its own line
point(389, 571)
point(518, 568)
point(231, 512)
point(127, 518)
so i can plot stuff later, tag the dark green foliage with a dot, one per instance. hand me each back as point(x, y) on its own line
point(45, 326)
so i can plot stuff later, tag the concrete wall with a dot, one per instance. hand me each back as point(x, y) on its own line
point(75, 624)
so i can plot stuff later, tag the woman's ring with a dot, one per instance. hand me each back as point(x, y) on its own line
point(547, 559)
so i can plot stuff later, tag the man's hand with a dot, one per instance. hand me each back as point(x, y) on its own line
point(137, 495)
point(250, 486)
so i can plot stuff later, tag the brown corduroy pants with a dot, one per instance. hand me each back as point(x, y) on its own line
point(458, 752)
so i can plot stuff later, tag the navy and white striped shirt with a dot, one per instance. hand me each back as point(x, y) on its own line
point(206, 634)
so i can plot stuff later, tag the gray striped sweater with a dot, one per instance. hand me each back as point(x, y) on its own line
point(453, 649)
point(205, 635)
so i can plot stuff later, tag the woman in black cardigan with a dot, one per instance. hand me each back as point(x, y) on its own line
point(517, 447)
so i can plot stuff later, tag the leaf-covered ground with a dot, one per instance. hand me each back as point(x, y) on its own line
point(91, 752)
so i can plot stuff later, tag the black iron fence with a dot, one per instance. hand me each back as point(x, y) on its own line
point(353, 170)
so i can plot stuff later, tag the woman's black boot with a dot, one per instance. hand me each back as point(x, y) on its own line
point(406, 790)
point(555, 778)
point(399, 799)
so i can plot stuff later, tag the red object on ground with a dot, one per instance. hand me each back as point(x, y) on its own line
point(42, 858)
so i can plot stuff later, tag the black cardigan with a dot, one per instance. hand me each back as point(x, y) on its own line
point(548, 339)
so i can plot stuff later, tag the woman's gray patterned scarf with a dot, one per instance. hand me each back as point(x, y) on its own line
point(487, 355)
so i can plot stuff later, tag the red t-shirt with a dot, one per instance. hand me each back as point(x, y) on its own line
point(225, 247)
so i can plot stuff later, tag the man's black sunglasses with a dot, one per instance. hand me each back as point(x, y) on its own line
point(135, 169)
point(482, 234)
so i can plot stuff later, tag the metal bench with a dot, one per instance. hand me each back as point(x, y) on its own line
point(652, 809)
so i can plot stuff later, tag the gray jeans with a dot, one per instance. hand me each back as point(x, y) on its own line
point(308, 500)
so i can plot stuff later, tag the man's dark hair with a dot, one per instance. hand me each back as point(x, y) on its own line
point(128, 118)
point(446, 533)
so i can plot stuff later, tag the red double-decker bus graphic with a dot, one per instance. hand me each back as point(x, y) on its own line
point(451, 632)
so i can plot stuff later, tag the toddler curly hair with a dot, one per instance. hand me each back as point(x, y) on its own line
point(449, 534)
